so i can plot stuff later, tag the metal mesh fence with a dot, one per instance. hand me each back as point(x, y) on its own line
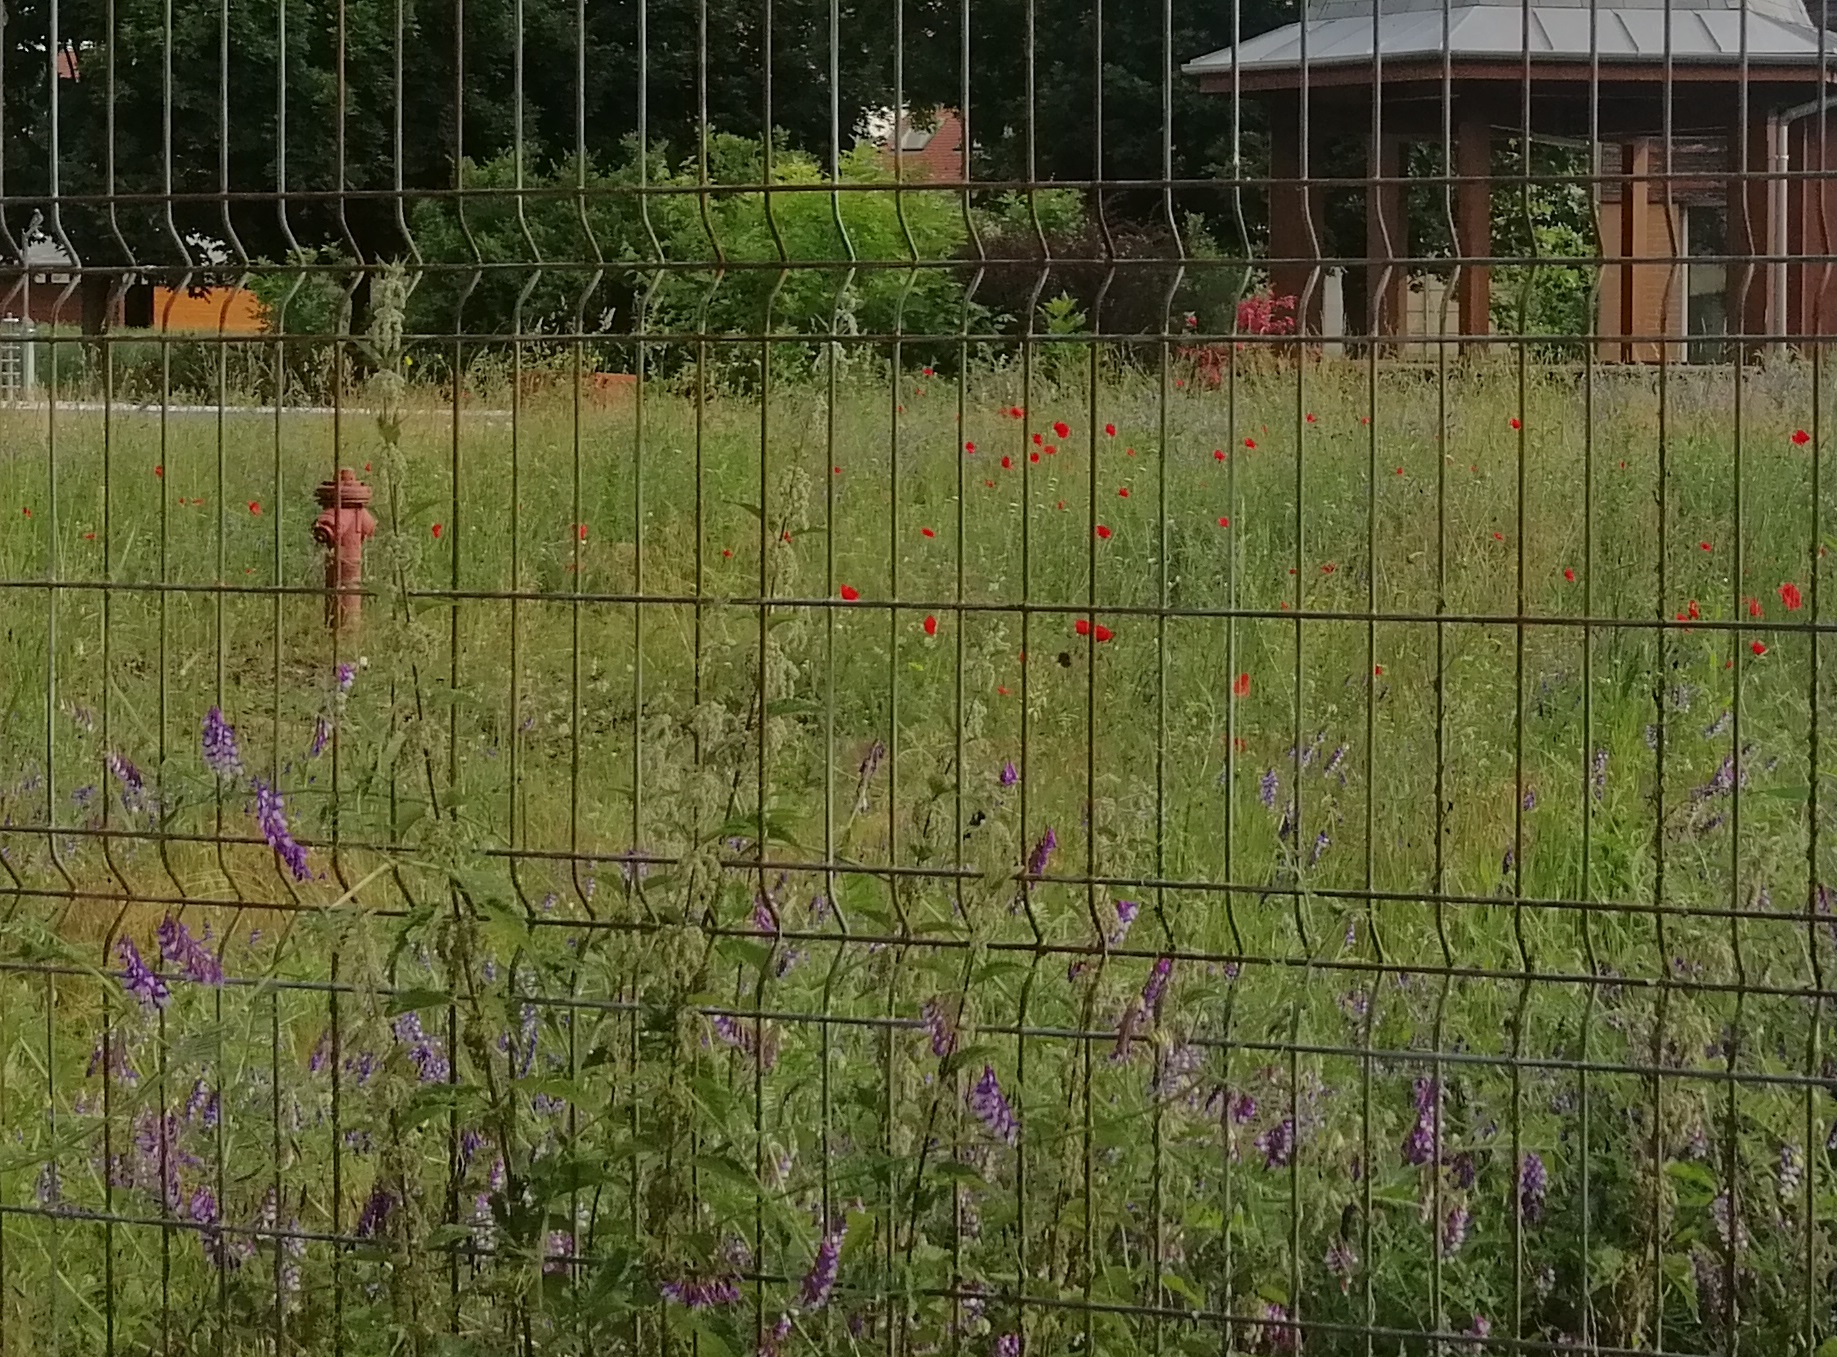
point(924, 677)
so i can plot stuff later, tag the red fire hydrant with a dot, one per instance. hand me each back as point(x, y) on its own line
point(342, 529)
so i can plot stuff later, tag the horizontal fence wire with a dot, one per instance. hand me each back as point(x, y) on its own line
point(931, 677)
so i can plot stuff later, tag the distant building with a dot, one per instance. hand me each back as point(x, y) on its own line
point(935, 153)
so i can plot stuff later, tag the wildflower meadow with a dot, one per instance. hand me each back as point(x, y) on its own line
point(1082, 851)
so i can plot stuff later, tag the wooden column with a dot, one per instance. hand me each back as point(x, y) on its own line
point(1295, 219)
point(1812, 226)
point(1473, 219)
point(1750, 222)
point(1635, 241)
point(1387, 238)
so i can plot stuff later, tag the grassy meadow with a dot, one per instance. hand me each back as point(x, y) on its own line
point(1067, 859)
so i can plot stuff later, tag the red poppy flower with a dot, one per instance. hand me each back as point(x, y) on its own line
point(1109, 431)
point(1103, 632)
point(1569, 574)
point(1014, 412)
point(1224, 522)
point(926, 371)
point(1130, 451)
point(436, 531)
point(926, 532)
point(850, 593)
point(1399, 471)
point(1000, 691)
point(1103, 532)
point(580, 532)
point(1310, 419)
point(1082, 626)
point(27, 512)
point(255, 506)
point(1364, 419)
point(1061, 506)
point(1328, 568)
point(1218, 454)
point(727, 553)
point(1690, 610)
point(1038, 439)
point(1250, 442)
point(1241, 687)
point(1061, 428)
point(989, 484)
point(899, 409)
point(89, 537)
point(1498, 537)
point(1052, 450)
point(969, 447)
point(1123, 491)
point(1006, 462)
point(1789, 595)
point(366, 466)
point(931, 625)
point(835, 471)
point(1705, 545)
point(1758, 648)
point(1754, 608)
point(784, 534)
point(1179, 382)
point(1800, 437)
point(1033, 457)
point(160, 471)
point(1514, 422)
point(1378, 669)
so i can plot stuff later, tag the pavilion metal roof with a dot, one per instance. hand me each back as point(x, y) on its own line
point(1340, 33)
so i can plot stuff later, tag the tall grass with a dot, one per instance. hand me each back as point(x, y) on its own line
point(1453, 730)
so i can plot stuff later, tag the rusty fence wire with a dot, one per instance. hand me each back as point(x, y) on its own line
point(915, 676)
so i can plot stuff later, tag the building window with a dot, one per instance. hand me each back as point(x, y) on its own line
point(1706, 317)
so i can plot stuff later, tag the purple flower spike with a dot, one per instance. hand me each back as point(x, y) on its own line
point(1533, 1183)
point(219, 746)
point(1042, 853)
point(821, 1279)
point(940, 1027)
point(1454, 1233)
point(699, 1293)
point(133, 786)
point(1157, 983)
point(1277, 1144)
point(375, 1216)
point(1009, 1345)
point(1008, 774)
point(179, 948)
point(139, 981)
point(991, 1108)
point(271, 815)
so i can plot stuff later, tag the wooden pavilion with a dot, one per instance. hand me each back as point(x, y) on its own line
point(1707, 119)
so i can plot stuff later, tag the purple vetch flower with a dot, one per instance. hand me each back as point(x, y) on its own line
point(139, 981)
point(1792, 1172)
point(203, 1105)
point(347, 677)
point(426, 1053)
point(1709, 1274)
point(375, 1215)
point(1267, 786)
point(322, 736)
point(820, 1280)
point(559, 1253)
point(1729, 1229)
point(1126, 911)
point(178, 947)
point(1274, 1334)
point(1321, 841)
point(1042, 853)
point(702, 1293)
point(470, 1143)
point(1718, 726)
point(1277, 1144)
point(219, 746)
point(1334, 760)
point(133, 786)
point(1481, 1327)
point(1533, 1183)
point(986, 1100)
point(1156, 985)
point(1600, 772)
point(1462, 1170)
point(1342, 1262)
point(1241, 1108)
point(940, 1027)
point(1420, 1147)
point(271, 816)
point(1008, 775)
point(1530, 799)
point(1009, 1345)
point(1454, 1229)
point(870, 764)
point(742, 1037)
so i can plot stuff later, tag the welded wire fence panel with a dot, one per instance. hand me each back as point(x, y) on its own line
point(922, 677)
